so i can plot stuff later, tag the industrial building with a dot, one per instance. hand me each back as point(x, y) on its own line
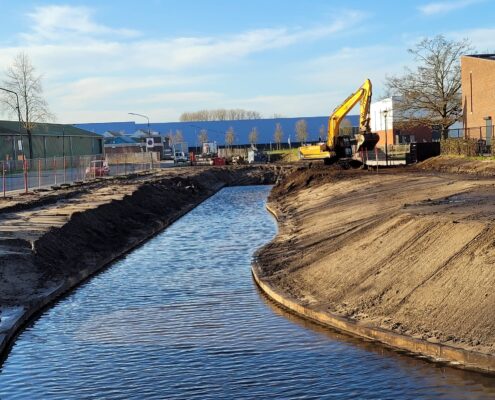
point(47, 140)
point(138, 142)
point(386, 122)
point(216, 129)
point(478, 95)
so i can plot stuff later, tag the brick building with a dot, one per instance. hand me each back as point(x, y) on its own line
point(478, 95)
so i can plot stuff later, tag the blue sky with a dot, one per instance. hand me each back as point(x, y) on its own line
point(103, 59)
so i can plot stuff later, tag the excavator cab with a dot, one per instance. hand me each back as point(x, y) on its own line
point(343, 146)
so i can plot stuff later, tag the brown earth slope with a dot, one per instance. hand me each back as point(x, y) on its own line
point(404, 250)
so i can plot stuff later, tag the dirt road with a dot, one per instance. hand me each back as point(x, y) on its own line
point(406, 250)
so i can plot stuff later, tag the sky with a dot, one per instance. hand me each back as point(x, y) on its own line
point(100, 60)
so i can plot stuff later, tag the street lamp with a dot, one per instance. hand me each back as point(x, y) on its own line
point(147, 118)
point(385, 113)
point(18, 111)
point(144, 116)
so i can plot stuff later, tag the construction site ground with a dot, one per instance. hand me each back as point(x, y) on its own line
point(410, 250)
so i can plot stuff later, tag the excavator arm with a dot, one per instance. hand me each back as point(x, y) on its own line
point(341, 146)
point(363, 94)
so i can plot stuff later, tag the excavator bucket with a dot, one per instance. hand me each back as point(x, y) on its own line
point(367, 141)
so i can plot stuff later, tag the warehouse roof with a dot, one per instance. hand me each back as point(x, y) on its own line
point(45, 129)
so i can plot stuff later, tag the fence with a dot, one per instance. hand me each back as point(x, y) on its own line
point(385, 156)
point(36, 174)
point(478, 133)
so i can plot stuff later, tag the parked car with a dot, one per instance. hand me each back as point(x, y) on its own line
point(180, 158)
point(97, 168)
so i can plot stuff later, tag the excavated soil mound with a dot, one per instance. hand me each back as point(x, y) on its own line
point(305, 177)
point(458, 165)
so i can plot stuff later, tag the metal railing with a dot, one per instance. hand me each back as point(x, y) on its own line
point(478, 132)
point(385, 156)
point(38, 174)
point(475, 141)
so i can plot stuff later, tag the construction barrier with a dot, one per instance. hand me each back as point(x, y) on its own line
point(37, 174)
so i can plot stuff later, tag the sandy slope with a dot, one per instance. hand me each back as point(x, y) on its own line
point(402, 250)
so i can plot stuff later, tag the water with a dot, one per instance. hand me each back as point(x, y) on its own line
point(180, 317)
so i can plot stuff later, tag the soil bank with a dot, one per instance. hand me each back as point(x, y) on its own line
point(404, 251)
point(51, 242)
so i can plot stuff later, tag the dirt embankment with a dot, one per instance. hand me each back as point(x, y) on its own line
point(403, 251)
point(50, 244)
point(458, 165)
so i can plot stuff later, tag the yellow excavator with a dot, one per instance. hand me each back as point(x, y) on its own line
point(339, 147)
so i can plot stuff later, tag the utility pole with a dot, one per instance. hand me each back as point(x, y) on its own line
point(385, 113)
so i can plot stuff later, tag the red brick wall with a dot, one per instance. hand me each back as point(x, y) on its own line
point(478, 90)
point(421, 134)
point(388, 138)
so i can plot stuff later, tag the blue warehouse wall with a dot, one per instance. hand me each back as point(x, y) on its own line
point(216, 129)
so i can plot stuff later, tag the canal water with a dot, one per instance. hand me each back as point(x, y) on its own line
point(180, 317)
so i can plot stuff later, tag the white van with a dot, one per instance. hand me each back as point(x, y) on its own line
point(180, 157)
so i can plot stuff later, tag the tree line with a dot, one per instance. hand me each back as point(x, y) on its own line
point(220, 114)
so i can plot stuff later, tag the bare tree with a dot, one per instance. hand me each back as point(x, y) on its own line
point(22, 79)
point(220, 114)
point(253, 136)
point(203, 136)
point(178, 138)
point(278, 135)
point(345, 127)
point(322, 133)
point(171, 137)
point(301, 130)
point(230, 137)
point(431, 94)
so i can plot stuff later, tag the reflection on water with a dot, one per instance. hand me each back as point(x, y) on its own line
point(180, 317)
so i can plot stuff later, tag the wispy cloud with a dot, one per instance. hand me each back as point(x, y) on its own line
point(108, 67)
point(481, 38)
point(441, 7)
point(74, 31)
point(55, 22)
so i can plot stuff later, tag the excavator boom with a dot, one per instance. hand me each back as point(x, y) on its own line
point(340, 146)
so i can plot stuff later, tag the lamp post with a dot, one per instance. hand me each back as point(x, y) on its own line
point(18, 110)
point(147, 118)
point(385, 113)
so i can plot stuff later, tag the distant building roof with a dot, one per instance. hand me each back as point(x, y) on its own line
point(145, 133)
point(121, 140)
point(112, 133)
